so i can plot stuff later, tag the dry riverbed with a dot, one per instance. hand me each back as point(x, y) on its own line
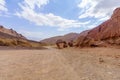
point(64, 64)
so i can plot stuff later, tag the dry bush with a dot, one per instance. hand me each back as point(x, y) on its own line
point(14, 42)
point(5, 42)
point(20, 43)
point(23, 43)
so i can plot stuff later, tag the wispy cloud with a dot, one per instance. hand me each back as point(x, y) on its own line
point(3, 8)
point(99, 9)
point(28, 12)
point(46, 14)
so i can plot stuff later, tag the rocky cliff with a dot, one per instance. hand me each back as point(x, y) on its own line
point(106, 33)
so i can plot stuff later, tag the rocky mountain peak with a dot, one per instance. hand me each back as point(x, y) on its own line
point(116, 15)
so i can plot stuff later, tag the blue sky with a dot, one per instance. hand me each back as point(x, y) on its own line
point(39, 19)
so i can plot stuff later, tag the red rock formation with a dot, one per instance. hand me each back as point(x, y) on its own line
point(80, 40)
point(108, 31)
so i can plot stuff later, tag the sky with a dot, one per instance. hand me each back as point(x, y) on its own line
point(40, 19)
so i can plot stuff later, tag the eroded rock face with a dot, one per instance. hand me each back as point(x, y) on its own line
point(116, 15)
point(108, 31)
point(82, 37)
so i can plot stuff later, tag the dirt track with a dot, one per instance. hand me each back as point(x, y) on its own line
point(66, 64)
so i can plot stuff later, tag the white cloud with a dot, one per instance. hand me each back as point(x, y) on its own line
point(41, 19)
point(3, 6)
point(33, 3)
point(99, 9)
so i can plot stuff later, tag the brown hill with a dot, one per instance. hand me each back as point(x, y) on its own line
point(9, 37)
point(106, 33)
point(67, 38)
point(10, 32)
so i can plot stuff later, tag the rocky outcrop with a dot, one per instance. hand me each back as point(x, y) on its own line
point(107, 33)
point(82, 36)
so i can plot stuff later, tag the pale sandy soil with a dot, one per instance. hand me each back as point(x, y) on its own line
point(64, 64)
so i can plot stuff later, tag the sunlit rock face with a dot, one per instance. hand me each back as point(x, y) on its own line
point(108, 31)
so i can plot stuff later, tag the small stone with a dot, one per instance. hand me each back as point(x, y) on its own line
point(101, 60)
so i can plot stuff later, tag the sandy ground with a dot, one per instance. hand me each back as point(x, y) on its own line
point(64, 64)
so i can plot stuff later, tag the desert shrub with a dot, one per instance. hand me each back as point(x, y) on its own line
point(14, 42)
point(2, 43)
point(6, 42)
point(23, 43)
point(19, 43)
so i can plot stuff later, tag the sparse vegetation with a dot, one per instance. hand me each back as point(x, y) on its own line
point(19, 43)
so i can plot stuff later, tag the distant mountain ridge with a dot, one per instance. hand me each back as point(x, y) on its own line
point(67, 38)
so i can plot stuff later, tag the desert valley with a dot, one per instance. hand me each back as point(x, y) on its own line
point(94, 54)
